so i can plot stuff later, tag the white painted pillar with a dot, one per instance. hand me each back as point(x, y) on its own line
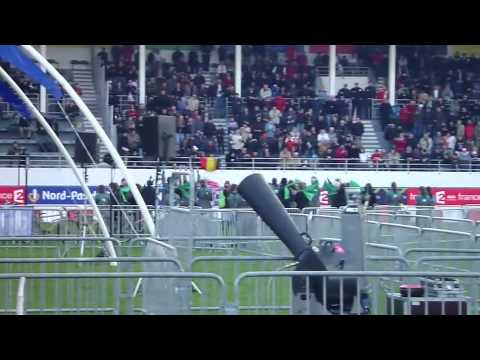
point(392, 64)
point(43, 91)
point(332, 70)
point(141, 74)
point(238, 69)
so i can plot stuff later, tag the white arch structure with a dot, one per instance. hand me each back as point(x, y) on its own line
point(34, 111)
point(33, 53)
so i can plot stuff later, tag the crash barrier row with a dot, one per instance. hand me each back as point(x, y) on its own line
point(104, 293)
point(261, 292)
point(55, 246)
point(407, 236)
point(79, 220)
point(127, 221)
point(178, 222)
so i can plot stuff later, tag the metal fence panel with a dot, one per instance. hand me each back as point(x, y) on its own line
point(100, 293)
point(381, 294)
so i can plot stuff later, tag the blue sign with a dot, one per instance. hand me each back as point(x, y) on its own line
point(57, 195)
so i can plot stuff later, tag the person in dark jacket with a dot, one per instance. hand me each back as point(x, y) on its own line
point(148, 193)
point(431, 198)
point(340, 198)
point(300, 198)
point(385, 114)
point(368, 196)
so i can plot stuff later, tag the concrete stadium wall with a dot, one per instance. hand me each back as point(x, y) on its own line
point(55, 176)
point(63, 54)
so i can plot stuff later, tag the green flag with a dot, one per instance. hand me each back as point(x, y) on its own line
point(330, 188)
point(312, 190)
point(185, 190)
point(221, 200)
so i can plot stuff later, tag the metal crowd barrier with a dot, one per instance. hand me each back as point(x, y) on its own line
point(54, 246)
point(448, 263)
point(382, 287)
point(87, 265)
point(100, 293)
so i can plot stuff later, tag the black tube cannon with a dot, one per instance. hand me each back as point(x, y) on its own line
point(266, 204)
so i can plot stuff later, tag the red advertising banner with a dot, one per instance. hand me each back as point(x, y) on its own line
point(448, 196)
point(12, 195)
point(341, 49)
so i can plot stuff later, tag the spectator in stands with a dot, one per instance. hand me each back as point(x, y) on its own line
point(18, 153)
point(265, 92)
point(25, 127)
point(103, 56)
point(392, 159)
point(357, 128)
point(344, 92)
point(206, 51)
point(377, 157)
point(115, 52)
point(357, 95)
point(44, 141)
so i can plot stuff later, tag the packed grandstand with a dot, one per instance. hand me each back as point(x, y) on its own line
point(188, 159)
point(284, 112)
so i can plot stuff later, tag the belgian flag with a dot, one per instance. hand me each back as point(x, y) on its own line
point(208, 163)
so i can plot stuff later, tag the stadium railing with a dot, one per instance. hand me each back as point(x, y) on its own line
point(54, 160)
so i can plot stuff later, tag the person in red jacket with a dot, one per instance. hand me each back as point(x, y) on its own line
point(341, 154)
point(279, 102)
point(469, 130)
point(400, 143)
point(381, 94)
point(406, 118)
point(377, 157)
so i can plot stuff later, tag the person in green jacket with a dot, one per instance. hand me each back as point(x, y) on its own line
point(124, 193)
point(284, 193)
point(422, 199)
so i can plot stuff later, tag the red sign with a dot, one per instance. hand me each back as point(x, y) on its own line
point(448, 196)
point(12, 195)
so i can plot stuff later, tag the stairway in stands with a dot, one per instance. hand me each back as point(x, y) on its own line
point(370, 137)
point(219, 121)
point(83, 76)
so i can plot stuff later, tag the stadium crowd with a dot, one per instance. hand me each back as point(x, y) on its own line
point(439, 112)
point(279, 101)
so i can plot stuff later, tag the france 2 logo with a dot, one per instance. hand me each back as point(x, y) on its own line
point(19, 196)
point(440, 198)
point(323, 198)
